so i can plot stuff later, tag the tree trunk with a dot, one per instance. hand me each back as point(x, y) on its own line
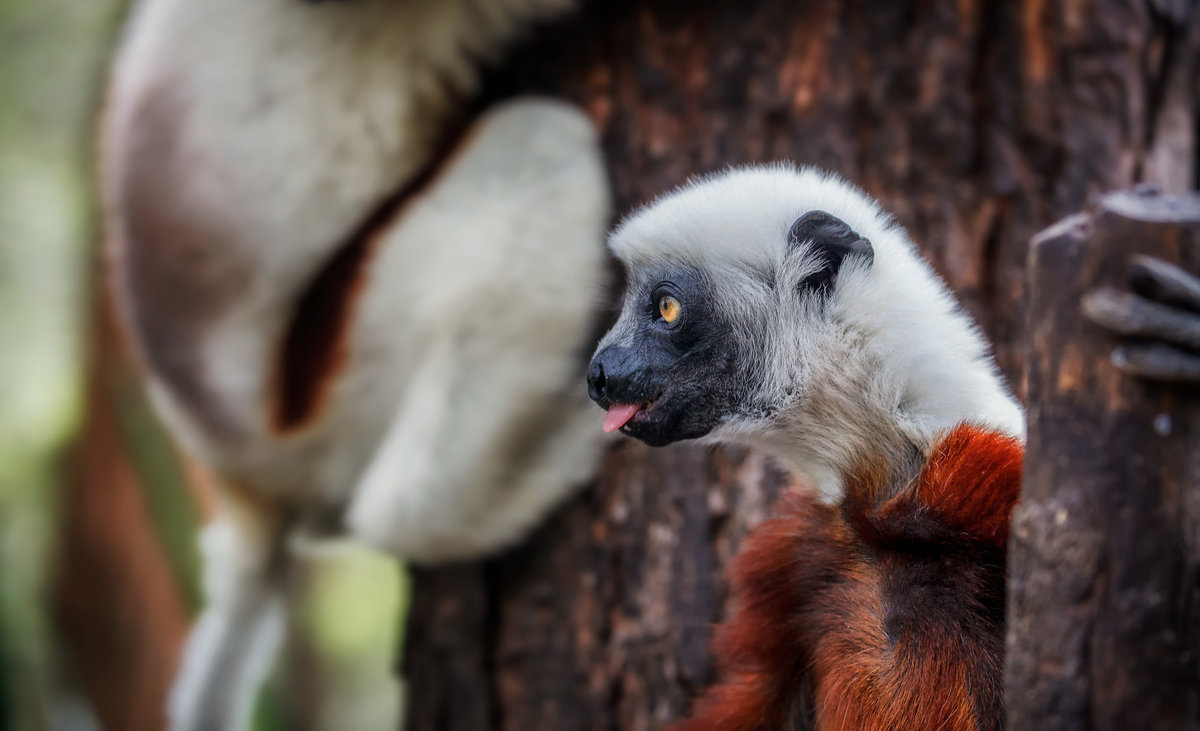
point(977, 123)
point(1105, 601)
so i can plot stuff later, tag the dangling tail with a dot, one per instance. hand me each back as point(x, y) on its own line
point(235, 640)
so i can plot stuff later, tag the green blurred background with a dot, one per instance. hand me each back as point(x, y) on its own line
point(98, 564)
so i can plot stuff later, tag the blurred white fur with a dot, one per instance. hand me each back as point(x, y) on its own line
point(244, 141)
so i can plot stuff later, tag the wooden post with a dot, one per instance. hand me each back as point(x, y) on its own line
point(1104, 605)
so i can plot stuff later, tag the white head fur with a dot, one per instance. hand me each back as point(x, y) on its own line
point(888, 362)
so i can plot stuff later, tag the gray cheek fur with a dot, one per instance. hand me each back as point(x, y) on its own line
point(781, 331)
point(820, 397)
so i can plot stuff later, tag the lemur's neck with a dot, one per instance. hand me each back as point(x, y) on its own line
point(904, 366)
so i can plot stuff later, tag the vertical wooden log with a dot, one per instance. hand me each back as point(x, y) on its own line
point(1104, 610)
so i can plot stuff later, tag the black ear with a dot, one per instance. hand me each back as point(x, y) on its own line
point(831, 239)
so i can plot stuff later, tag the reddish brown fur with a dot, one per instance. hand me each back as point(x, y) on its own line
point(883, 613)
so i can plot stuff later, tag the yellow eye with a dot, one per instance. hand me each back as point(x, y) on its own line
point(669, 308)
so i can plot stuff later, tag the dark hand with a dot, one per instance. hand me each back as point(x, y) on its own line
point(1160, 320)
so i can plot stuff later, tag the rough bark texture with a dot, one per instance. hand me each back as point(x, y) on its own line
point(977, 123)
point(1104, 612)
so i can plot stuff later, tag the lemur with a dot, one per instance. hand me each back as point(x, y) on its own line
point(782, 308)
point(360, 337)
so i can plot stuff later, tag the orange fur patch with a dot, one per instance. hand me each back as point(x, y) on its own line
point(884, 613)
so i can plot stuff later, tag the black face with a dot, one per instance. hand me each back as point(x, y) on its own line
point(680, 366)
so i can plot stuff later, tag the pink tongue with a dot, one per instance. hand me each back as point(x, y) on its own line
point(618, 414)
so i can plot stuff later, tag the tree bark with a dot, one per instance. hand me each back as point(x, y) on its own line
point(1104, 611)
point(977, 123)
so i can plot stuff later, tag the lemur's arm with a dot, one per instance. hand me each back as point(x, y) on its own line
point(1160, 318)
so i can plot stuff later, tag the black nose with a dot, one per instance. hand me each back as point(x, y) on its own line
point(610, 376)
point(620, 375)
point(597, 383)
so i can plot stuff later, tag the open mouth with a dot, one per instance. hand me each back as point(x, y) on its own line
point(621, 415)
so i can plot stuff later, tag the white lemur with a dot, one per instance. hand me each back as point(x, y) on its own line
point(356, 335)
point(782, 308)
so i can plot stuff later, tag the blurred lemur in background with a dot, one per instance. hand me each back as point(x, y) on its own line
point(782, 308)
point(360, 328)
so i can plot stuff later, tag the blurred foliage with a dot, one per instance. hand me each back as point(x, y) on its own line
point(51, 53)
point(164, 482)
point(350, 615)
point(52, 59)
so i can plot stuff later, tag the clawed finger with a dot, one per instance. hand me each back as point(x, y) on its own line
point(1158, 362)
point(1131, 315)
point(1164, 282)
